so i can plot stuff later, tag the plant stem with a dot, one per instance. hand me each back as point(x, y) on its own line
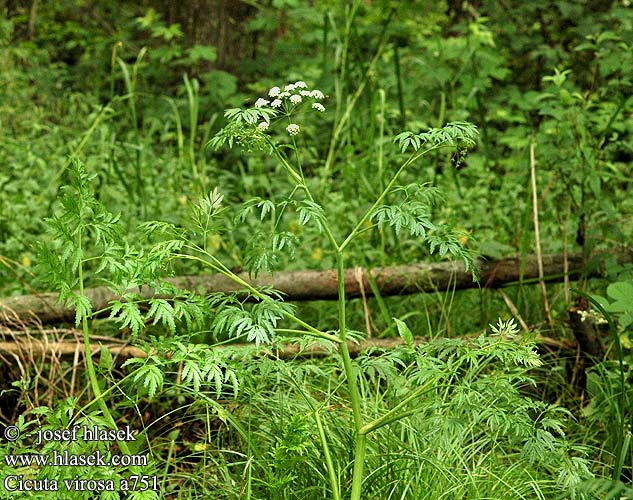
point(116, 46)
point(216, 265)
point(537, 236)
point(621, 440)
point(359, 449)
point(396, 61)
point(342, 121)
point(392, 415)
point(336, 495)
point(191, 86)
point(382, 196)
point(359, 465)
point(301, 184)
point(101, 116)
point(92, 376)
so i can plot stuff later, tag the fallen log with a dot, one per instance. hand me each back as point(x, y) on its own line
point(322, 285)
point(40, 346)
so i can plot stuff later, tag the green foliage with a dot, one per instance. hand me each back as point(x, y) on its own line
point(133, 93)
point(243, 129)
point(82, 217)
point(460, 134)
point(257, 323)
point(620, 304)
point(149, 376)
point(404, 332)
point(310, 212)
point(472, 425)
point(412, 216)
point(66, 415)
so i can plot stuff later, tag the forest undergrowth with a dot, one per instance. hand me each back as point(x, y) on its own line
point(372, 136)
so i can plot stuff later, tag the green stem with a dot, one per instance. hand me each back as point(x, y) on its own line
point(396, 61)
point(347, 360)
point(295, 176)
point(620, 430)
point(116, 46)
point(359, 451)
point(381, 135)
point(359, 465)
point(216, 265)
point(298, 177)
point(106, 392)
point(294, 331)
point(92, 376)
point(414, 157)
point(341, 121)
point(340, 124)
point(180, 140)
point(75, 152)
point(336, 495)
point(392, 415)
point(192, 100)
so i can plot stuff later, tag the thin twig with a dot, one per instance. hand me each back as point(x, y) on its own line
point(358, 275)
point(566, 285)
point(537, 236)
point(514, 310)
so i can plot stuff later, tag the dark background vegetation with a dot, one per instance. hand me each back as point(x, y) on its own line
point(136, 89)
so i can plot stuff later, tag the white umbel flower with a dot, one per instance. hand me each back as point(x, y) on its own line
point(319, 107)
point(274, 92)
point(276, 103)
point(317, 94)
point(293, 129)
point(261, 102)
point(289, 88)
point(262, 126)
point(295, 99)
point(300, 85)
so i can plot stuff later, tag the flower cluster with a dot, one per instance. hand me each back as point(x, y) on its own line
point(293, 129)
point(287, 99)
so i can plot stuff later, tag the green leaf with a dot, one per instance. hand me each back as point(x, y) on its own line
point(308, 211)
point(127, 314)
point(204, 52)
point(404, 332)
point(83, 308)
point(193, 374)
point(144, 495)
point(161, 310)
point(105, 358)
point(258, 323)
point(266, 206)
point(454, 134)
point(284, 240)
point(151, 378)
point(411, 215)
point(622, 293)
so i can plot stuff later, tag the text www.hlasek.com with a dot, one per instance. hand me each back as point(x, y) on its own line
point(65, 459)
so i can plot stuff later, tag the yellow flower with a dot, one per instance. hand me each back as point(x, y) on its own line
point(463, 237)
point(295, 228)
point(213, 241)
